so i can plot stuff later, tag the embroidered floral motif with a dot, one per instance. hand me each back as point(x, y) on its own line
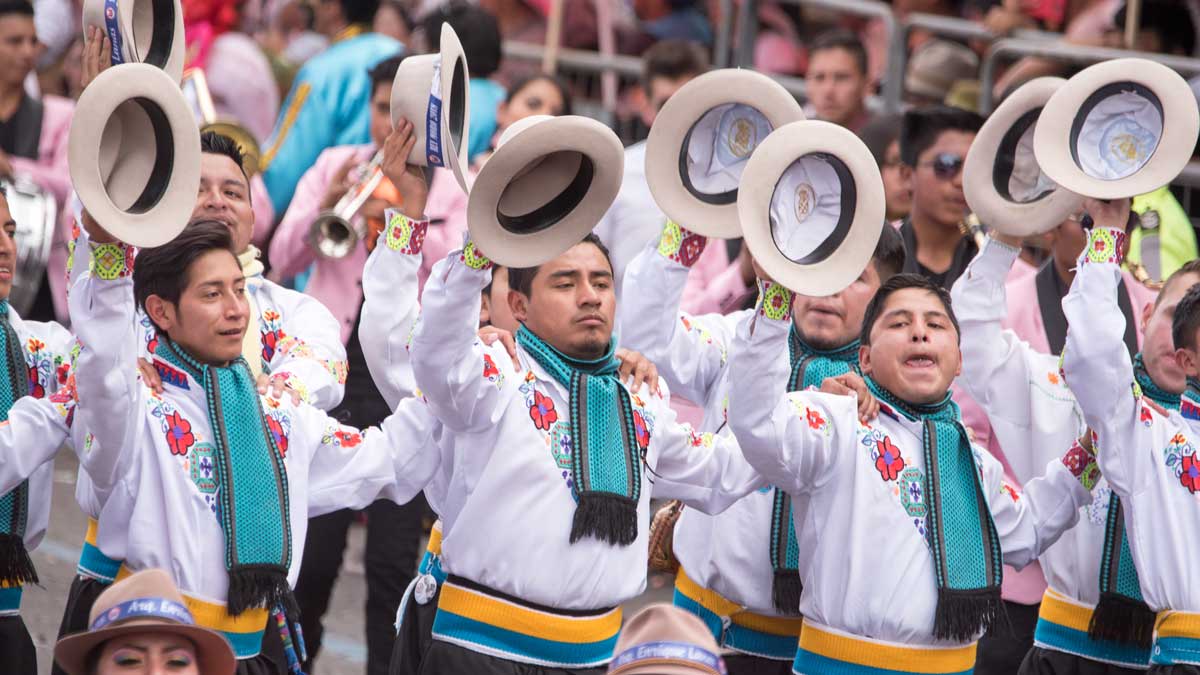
point(490, 372)
point(203, 470)
point(64, 400)
point(681, 245)
point(36, 389)
point(542, 411)
point(1189, 410)
point(269, 341)
point(815, 421)
point(347, 439)
point(112, 261)
point(275, 426)
point(1147, 417)
point(774, 301)
point(1104, 246)
point(1178, 452)
point(560, 444)
point(889, 463)
point(1007, 489)
point(912, 491)
point(179, 434)
point(1190, 475)
point(691, 324)
point(474, 258)
point(404, 234)
point(640, 431)
point(1053, 378)
point(700, 440)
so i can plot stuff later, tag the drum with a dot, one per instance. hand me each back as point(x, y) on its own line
point(35, 211)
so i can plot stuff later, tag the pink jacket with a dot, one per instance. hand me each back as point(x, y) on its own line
point(338, 283)
point(50, 171)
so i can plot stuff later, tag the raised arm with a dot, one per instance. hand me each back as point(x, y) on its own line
point(690, 352)
point(390, 307)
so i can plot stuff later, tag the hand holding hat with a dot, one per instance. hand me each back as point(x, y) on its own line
point(409, 180)
point(140, 31)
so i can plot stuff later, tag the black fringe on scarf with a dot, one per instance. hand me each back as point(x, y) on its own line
point(15, 565)
point(962, 614)
point(1119, 618)
point(785, 592)
point(254, 586)
point(606, 516)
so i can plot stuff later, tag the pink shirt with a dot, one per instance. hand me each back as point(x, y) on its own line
point(51, 173)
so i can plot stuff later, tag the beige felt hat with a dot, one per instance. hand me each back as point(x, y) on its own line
point(1117, 129)
point(442, 119)
point(544, 188)
point(142, 31)
point(135, 156)
point(145, 602)
point(666, 640)
point(811, 206)
point(701, 139)
point(1002, 182)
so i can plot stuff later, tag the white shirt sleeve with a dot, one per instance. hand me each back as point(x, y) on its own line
point(29, 438)
point(1030, 521)
point(389, 313)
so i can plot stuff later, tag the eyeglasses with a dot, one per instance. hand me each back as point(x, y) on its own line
point(945, 165)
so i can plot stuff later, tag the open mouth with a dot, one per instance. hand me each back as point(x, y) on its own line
point(920, 361)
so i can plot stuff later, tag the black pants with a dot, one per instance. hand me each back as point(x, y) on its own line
point(1174, 670)
point(80, 598)
point(1049, 662)
point(414, 637)
point(743, 664)
point(443, 658)
point(393, 539)
point(1001, 650)
point(271, 660)
point(16, 647)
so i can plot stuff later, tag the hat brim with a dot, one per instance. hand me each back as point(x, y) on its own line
point(513, 157)
point(774, 155)
point(1005, 126)
point(170, 196)
point(1052, 142)
point(157, 51)
point(212, 649)
point(665, 161)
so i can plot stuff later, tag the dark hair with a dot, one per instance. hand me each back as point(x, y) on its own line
point(212, 143)
point(1172, 20)
point(1187, 319)
point(563, 90)
point(889, 255)
point(477, 29)
point(359, 11)
point(163, 270)
point(22, 7)
point(921, 127)
point(840, 38)
point(521, 278)
point(900, 282)
point(673, 59)
point(879, 133)
point(384, 72)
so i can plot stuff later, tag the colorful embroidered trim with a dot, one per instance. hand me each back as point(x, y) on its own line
point(112, 261)
point(1176, 639)
point(481, 622)
point(824, 651)
point(92, 562)
point(404, 234)
point(772, 637)
point(1081, 462)
point(1104, 245)
point(680, 245)
point(474, 258)
point(774, 301)
point(1063, 627)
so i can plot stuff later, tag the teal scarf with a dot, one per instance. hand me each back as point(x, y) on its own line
point(15, 564)
point(1122, 615)
point(962, 537)
point(252, 483)
point(810, 367)
point(606, 459)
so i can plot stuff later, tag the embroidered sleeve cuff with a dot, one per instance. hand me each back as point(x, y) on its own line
point(1081, 462)
point(774, 301)
point(112, 261)
point(681, 245)
point(995, 261)
point(474, 258)
point(404, 234)
point(1105, 245)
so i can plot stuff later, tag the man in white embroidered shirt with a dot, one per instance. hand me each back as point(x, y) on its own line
point(907, 523)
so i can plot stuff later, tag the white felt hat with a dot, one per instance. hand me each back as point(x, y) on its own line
point(811, 205)
point(701, 139)
point(142, 31)
point(1117, 129)
point(544, 188)
point(442, 119)
point(135, 156)
point(1002, 182)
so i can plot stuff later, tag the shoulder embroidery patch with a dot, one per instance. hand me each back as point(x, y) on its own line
point(170, 375)
point(1180, 456)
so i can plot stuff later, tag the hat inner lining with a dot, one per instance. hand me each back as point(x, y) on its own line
point(556, 209)
point(457, 112)
point(1114, 134)
point(164, 157)
point(1016, 147)
point(812, 208)
point(715, 149)
point(161, 24)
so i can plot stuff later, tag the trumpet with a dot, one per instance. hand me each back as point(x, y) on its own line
point(195, 84)
point(334, 234)
point(971, 227)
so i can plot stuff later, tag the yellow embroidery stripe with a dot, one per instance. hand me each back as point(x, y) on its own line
point(1177, 624)
point(435, 539)
point(875, 654)
point(525, 621)
point(1063, 611)
point(719, 605)
point(213, 615)
point(288, 120)
point(93, 527)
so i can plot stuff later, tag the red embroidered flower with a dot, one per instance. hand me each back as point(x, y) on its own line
point(152, 345)
point(1146, 416)
point(65, 393)
point(542, 411)
point(1076, 459)
point(36, 389)
point(815, 420)
point(64, 370)
point(179, 434)
point(347, 439)
point(889, 462)
point(281, 439)
point(640, 430)
point(269, 340)
point(489, 367)
point(1191, 473)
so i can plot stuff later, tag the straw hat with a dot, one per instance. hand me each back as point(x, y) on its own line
point(440, 121)
point(1002, 182)
point(135, 156)
point(145, 602)
point(811, 205)
point(701, 140)
point(665, 640)
point(544, 188)
point(1117, 129)
point(142, 31)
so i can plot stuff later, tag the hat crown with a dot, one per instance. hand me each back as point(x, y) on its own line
point(152, 584)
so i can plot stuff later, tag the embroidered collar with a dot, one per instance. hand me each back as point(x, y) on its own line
point(1190, 405)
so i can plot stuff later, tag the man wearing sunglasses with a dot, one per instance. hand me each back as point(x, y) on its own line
point(933, 146)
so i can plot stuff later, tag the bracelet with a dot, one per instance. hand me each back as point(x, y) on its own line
point(1105, 245)
point(681, 245)
point(774, 301)
point(112, 261)
point(404, 234)
point(474, 258)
